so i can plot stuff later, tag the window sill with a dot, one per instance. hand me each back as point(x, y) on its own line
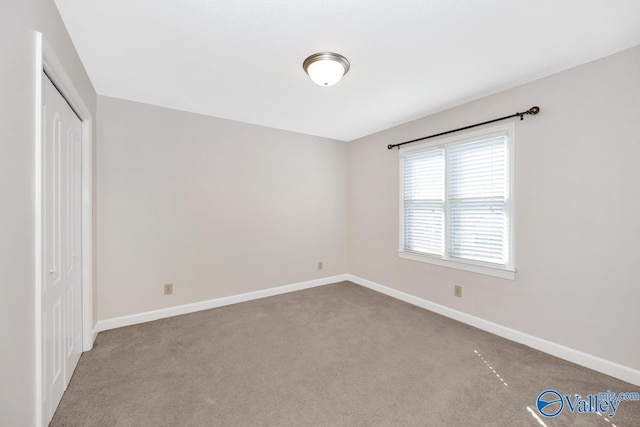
point(502, 272)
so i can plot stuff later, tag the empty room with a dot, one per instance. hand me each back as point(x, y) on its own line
point(329, 213)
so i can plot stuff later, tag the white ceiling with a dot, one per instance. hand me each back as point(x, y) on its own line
point(242, 59)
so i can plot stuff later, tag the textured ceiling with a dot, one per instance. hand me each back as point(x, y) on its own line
point(242, 59)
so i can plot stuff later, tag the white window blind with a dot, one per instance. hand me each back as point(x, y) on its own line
point(424, 202)
point(477, 198)
point(456, 200)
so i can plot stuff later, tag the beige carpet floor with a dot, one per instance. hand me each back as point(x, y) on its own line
point(337, 355)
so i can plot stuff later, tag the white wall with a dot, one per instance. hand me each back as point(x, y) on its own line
point(577, 207)
point(213, 206)
point(19, 21)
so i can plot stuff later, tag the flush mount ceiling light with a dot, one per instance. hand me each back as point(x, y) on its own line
point(326, 68)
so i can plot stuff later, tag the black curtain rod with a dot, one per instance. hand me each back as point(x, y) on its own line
point(533, 111)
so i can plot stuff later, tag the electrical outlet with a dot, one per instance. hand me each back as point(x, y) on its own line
point(457, 291)
point(168, 288)
point(320, 265)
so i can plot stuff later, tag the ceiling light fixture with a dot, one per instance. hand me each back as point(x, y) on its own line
point(326, 68)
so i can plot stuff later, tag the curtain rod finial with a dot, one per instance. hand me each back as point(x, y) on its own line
point(534, 110)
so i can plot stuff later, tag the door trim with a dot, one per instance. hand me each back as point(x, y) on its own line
point(46, 60)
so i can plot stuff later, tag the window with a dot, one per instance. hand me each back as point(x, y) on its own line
point(457, 202)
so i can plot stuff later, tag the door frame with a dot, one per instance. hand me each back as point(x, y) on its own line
point(47, 61)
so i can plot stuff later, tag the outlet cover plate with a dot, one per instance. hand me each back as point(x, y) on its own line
point(168, 288)
point(457, 291)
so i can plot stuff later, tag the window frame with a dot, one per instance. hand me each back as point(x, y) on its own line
point(505, 271)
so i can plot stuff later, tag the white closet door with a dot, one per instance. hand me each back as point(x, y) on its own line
point(61, 287)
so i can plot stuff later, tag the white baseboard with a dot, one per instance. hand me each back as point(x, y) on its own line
point(149, 316)
point(95, 334)
point(607, 367)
